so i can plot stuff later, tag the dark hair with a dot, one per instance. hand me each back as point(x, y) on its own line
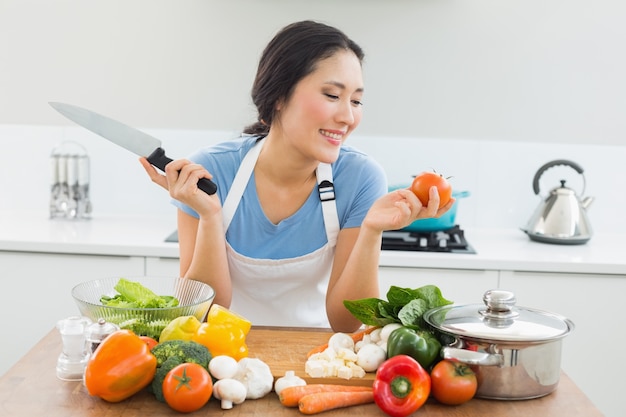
point(291, 55)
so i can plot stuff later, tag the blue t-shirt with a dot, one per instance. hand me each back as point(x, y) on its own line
point(358, 180)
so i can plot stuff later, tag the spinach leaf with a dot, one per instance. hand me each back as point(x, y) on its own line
point(403, 305)
point(366, 310)
point(412, 312)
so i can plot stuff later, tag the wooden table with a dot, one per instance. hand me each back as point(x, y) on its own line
point(31, 388)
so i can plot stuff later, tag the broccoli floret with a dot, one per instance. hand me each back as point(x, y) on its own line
point(171, 353)
point(186, 350)
point(157, 383)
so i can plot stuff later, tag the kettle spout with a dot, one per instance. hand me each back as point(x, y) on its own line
point(586, 202)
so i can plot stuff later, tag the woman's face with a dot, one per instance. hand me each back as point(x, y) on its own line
point(324, 108)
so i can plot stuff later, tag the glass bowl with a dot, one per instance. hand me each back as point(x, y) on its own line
point(194, 298)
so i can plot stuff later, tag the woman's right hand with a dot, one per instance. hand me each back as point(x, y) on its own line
point(399, 208)
point(181, 180)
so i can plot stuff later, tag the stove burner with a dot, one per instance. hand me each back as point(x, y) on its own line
point(451, 240)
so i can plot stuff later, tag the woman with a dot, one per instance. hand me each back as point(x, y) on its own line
point(276, 247)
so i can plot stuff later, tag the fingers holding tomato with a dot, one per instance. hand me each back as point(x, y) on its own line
point(423, 184)
point(453, 383)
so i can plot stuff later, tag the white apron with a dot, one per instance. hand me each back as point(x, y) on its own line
point(282, 292)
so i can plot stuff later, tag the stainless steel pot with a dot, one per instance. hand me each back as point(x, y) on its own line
point(515, 351)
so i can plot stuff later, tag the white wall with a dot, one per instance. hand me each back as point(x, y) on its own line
point(517, 70)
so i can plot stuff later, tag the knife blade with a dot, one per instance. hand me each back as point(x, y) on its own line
point(125, 136)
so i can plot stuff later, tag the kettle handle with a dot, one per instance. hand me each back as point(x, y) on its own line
point(551, 164)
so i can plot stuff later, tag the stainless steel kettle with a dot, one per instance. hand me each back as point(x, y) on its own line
point(561, 217)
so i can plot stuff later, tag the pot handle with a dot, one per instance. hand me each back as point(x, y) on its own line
point(551, 164)
point(470, 357)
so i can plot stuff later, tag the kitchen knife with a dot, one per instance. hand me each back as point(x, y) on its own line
point(125, 136)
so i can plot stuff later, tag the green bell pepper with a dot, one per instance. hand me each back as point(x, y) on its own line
point(421, 346)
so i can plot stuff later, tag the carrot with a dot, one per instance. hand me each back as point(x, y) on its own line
point(324, 401)
point(357, 337)
point(291, 396)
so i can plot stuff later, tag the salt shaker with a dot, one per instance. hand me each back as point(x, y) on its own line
point(73, 359)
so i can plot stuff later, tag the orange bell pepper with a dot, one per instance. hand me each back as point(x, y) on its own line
point(121, 366)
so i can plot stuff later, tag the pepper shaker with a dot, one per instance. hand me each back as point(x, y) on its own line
point(97, 332)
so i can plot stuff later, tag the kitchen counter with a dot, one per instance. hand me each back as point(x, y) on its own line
point(31, 388)
point(497, 249)
point(102, 235)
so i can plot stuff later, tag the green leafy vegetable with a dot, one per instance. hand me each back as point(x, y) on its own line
point(403, 305)
point(135, 295)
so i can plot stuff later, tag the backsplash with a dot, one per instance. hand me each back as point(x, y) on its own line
point(497, 174)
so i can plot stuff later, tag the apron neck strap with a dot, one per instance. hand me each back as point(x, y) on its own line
point(325, 188)
point(326, 191)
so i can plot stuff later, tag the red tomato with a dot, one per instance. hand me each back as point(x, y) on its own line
point(424, 181)
point(187, 387)
point(452, 382)
point(149, 341)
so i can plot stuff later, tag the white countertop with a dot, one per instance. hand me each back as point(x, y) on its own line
point(512, 250)
point(100, 235)
point(496, 249)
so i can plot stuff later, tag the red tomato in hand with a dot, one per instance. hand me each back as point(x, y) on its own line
point(453, 383)
point(187, 387)
point(423, 182)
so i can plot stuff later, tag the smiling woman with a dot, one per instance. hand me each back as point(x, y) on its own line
point(291, 175)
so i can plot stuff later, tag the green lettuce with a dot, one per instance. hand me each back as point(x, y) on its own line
point(134, 295)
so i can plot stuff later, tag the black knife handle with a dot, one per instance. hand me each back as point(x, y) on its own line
point(159, 160)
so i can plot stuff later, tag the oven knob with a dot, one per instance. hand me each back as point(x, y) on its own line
point(423, 242)
point(443, 243)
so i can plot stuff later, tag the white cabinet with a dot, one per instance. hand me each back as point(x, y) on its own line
point(458, 285)
point(37, 293)
point(592, 353)
point(162, 267)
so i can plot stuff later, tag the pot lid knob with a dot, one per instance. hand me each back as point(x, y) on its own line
point(500, 307)
point(499, 300)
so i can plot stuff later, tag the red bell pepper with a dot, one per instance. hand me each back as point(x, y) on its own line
point(401, 386)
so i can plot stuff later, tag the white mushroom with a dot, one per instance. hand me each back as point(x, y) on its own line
point(370, 357)
point(386, 331)
point(223, 366)
point(229, 391)
point(289, 380)
point(341, 340)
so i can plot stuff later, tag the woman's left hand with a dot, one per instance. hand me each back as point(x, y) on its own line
point(154, 175)
point(399, 208)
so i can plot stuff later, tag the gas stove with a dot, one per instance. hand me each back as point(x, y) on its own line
point(446, 241)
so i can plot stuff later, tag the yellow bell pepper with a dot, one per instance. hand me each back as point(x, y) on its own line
point(224, 333)
point(219, 314)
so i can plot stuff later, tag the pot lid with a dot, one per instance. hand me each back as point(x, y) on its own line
point(499, 320)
